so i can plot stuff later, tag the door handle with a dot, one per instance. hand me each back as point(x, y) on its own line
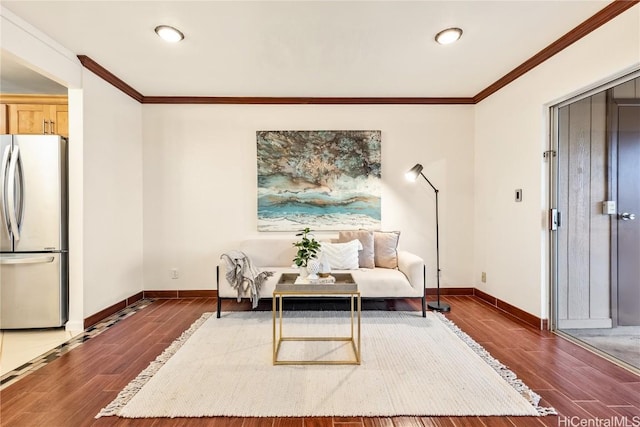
point(11, 196)
point(3, 187)
point(627, 216)
point(20, 195)
point(39, 259)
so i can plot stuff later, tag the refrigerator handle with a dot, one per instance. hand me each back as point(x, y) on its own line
point(20, 196)
point(3, 187)
point(39, 259)
point(11, 196)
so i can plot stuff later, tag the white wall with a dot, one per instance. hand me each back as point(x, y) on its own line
point(200, 181)
point(511, 133)
point(112, 194)
point(76, 212)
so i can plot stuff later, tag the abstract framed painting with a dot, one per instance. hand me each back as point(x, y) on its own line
point(324, 180)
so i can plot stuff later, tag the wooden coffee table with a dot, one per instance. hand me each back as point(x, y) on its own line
point(345, 286)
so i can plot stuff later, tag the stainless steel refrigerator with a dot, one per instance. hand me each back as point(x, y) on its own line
point(33, 231)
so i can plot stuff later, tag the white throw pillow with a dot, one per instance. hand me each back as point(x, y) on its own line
point(341, 256)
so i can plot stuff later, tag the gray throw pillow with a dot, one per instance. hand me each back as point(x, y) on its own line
point(365, 256)
point(386, 248)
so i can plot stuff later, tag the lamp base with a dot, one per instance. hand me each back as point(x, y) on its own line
point(439, 306)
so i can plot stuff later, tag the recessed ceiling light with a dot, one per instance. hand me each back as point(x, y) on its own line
point(449, 35)
point(169, 34)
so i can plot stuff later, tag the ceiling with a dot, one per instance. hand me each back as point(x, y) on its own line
point(303, 48)
point(16, 77)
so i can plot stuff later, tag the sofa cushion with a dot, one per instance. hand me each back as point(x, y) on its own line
point(386, 248)
point(341, 256)
point(384, 283)
point(366, 255)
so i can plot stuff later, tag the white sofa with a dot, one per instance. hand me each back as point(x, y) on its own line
point(276, 254)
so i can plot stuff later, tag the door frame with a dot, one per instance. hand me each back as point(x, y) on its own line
point(550, 157)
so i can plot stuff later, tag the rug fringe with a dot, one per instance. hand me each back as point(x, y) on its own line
point(508, 375)
point(134, 386)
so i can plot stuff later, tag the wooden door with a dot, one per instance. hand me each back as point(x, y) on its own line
point(583, 283)
point(628, 224)
point(4, 125)
point(28, 118)
point(60, 120)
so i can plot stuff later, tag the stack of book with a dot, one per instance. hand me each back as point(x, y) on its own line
point(329, 280)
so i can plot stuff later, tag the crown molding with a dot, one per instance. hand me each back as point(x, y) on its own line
point(109, 77)
point(605, 15)
point(594, 22)
point(301, 100)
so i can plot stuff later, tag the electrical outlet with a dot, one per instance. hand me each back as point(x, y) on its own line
point(174, 273)
point(484, 277)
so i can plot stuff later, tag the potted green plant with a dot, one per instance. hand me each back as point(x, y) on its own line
point(308, 248)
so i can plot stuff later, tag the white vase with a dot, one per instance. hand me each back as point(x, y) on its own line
point(303, 272)
point(313, 268)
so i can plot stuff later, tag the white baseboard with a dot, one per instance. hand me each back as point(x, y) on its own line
point(74, 326)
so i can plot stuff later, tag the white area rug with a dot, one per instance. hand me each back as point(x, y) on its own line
point(411, 366)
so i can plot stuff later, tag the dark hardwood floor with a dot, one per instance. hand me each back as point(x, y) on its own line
point(72, 389)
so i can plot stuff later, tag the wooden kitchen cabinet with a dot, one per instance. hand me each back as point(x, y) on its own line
point(41, 115)
point(4, 128)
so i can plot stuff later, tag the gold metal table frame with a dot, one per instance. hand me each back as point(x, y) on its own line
point(344, 286)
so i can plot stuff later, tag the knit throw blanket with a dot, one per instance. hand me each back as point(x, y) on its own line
point(243, 276)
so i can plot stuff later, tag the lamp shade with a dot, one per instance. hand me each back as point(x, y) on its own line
point(413, 173)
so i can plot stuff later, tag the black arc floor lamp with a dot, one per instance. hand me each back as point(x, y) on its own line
point(412, 175)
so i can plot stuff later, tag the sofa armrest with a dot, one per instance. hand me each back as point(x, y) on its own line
point(413, 267)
